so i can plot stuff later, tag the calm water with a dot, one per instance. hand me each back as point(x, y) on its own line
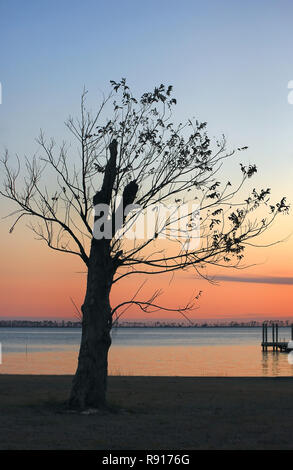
point(147, 351)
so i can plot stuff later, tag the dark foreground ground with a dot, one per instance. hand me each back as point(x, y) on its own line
point(154, 413)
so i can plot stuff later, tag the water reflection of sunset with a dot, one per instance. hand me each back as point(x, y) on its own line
point(183, 361)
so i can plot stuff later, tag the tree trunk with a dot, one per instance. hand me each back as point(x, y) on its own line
point(90, 381)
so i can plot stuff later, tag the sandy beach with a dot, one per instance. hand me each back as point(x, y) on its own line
point(152, 413)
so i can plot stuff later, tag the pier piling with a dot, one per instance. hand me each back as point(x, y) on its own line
point(275, 344)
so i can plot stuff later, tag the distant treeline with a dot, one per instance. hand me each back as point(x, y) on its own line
point(136, 324)
point(39, 324)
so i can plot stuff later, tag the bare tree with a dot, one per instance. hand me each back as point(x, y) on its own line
point(137, 156)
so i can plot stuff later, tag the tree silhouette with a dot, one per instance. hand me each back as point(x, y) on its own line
point(140, 157)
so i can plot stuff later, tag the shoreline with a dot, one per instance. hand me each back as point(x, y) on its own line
point(153, 413)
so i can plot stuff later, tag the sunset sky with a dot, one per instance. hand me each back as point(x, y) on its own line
point(229, 63)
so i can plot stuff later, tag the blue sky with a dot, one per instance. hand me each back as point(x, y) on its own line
point(229, 62)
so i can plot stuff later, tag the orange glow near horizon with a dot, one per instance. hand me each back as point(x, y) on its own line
point(37, 282)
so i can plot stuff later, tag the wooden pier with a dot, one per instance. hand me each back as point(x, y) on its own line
point(274, 342)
